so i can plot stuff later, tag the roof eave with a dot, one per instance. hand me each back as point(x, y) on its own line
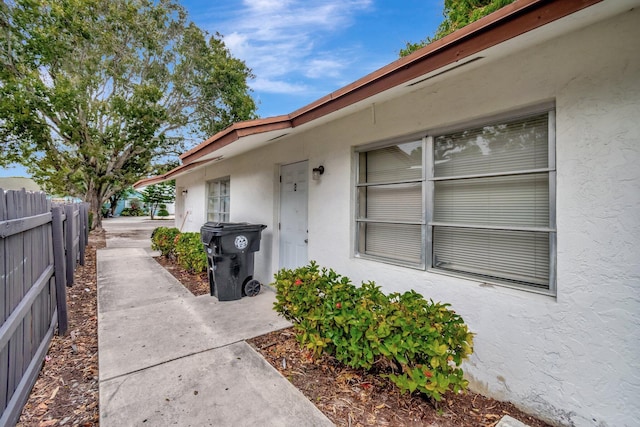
point(234, 133)
point(172, 174)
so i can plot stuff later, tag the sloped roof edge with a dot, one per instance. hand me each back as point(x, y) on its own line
point(235, 132)
point(169, 175)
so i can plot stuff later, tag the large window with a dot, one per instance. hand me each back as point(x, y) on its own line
point(218, 200)
point(489, 207)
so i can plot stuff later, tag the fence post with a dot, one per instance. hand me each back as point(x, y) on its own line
point(59, 268)
point(83, 231)
point(69, 233)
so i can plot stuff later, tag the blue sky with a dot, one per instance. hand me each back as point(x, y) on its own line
point(302, 50)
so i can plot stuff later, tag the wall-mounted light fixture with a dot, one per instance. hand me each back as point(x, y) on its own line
point(184, 192)
point(317, 172)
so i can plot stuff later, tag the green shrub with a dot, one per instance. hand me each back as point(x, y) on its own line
point(133, 211)
point(422, 343)
point(163, 240)
point(163, 212)
point(190, 252)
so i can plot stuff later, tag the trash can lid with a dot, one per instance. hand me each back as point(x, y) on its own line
point(232, 226)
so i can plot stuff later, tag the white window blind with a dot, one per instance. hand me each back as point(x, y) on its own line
point(516, 146)
point(400, 242)
point(491, 214)
point(390, 203)
point(516, 200)
point(512, 255)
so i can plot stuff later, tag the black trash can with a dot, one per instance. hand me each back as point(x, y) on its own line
point(230, 248)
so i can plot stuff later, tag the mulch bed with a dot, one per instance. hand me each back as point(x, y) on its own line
point(352, 397)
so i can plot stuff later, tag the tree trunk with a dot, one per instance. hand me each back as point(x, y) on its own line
point(113, 204)
point(95, 207)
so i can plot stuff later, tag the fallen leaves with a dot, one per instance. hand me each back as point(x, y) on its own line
point(197, 284)
point(353, 398)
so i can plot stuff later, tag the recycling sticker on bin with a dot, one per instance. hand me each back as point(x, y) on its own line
point(241, 242)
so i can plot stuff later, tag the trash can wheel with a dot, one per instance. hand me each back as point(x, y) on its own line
point(252, 288)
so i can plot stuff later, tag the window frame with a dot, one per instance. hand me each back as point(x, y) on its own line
point(358, 151)
point(551, 230)
point(226, 215)
point(428, 197)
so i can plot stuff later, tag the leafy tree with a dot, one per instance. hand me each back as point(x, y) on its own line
point(92, 92)
point(457, 14)
point(156, 195)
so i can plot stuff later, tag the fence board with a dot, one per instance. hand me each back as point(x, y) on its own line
point(14, 275)
point(20, 225)
point(57, 235)
point(4, 352)
point(71, 231)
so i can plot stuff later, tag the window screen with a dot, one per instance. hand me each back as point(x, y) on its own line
point(491, 208)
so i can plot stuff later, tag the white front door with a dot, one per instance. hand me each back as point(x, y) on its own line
point(293, 215)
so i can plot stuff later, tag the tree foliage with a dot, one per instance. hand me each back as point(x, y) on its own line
point(158, 194)
point(457, 14)
point(93, 92)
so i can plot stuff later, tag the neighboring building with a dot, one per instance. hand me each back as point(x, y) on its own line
point(18, 183)
point(133, 198)
point(496, 170)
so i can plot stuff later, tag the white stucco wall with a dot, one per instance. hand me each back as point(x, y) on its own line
point(573, 359)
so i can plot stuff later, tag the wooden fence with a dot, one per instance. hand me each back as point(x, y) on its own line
point(40, 246)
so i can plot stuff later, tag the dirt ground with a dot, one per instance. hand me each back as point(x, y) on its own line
point(66, 392)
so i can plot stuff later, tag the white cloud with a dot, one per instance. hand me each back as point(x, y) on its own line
point(278, 86)
point(280, 40)
point(319, 68)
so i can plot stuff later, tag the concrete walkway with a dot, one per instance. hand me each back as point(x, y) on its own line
point(169, 358)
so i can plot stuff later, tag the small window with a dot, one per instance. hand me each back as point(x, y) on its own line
point(492, 212)
point(218, 200)
point(390, 216)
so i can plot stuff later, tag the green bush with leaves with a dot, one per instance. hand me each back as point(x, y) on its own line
point(163, 240)
point(190, 252)
point(417, 344)
point(133, 211)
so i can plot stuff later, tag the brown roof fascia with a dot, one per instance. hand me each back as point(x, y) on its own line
point(506, 23)
point(166, 176)
point(235, 132)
